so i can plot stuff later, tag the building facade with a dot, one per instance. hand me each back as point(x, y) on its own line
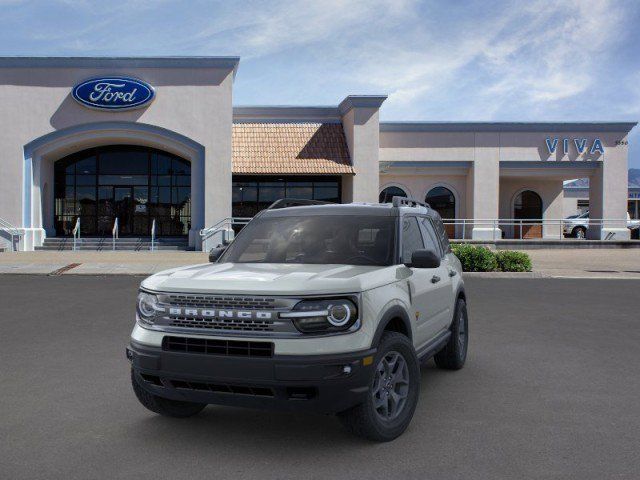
point(157, 141)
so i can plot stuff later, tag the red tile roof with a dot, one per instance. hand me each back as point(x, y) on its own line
point(290, 148)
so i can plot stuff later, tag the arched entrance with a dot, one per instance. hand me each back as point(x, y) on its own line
point(134, 184)
point(443, 201)
point(527, 207)
point(388, 193)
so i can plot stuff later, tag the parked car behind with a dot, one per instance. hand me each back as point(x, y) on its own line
point(576, 225)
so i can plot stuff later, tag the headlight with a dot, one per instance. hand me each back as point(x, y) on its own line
point(324, 315)
point(147, 307)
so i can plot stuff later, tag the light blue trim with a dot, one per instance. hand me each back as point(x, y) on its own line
point(426, 164)
point(286, 114)
point(115, 125)
point(578, 165)
point(27, 183)
point(546, 127)
point(120, 62)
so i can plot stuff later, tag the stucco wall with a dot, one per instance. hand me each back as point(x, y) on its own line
point(417, 186)
point(193, 102)
point(551, 193)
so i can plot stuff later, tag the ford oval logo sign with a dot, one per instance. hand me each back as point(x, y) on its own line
point(113, 93)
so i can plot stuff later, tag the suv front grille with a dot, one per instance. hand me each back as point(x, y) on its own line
point(224, 388)
point(208, 346)
point(225, 314)
point(220, 301)
point(222, 324)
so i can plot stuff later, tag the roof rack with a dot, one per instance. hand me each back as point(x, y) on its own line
point(408, 202)
point(294, 202)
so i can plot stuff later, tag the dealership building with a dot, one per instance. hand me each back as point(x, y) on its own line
point(157, 142)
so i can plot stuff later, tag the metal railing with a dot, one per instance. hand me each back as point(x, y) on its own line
point(153, 236)
point(12, 232)
point(76, 234)
point(220, 232)
point(539, 228)
point(115, 233)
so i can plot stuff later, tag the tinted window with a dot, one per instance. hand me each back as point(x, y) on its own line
point(411, 238)
point(431, 240)
point(441, 234)
point(325, 239)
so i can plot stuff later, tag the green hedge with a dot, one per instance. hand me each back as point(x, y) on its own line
point(480, 259)
point(509, 261)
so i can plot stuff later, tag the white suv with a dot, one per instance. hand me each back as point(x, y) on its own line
point(325, 308)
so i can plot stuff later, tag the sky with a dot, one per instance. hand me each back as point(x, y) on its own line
point(448, 60)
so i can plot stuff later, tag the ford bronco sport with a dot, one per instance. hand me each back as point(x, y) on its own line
point(325, 308)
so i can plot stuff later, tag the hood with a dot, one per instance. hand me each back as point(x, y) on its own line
point(272, 278)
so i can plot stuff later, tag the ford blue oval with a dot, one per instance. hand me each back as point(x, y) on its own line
point(113, 93)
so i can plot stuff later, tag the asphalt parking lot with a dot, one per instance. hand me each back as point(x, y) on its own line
point(550, 390)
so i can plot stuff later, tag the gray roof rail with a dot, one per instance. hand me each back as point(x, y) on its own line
point(295, 202)
point(407, 202)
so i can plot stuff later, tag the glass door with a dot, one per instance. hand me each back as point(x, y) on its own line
point(123, 208)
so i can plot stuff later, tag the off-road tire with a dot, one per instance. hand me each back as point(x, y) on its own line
point(363, 420)
point(454, 353)
point(164, 406)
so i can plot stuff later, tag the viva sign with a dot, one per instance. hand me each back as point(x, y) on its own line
point(113, 93)
point(580, 144)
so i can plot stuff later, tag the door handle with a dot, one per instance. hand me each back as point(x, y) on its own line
point(435, 279)
point(452, 273)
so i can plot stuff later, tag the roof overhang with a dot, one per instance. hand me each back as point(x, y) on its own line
point(230, 63)
point(544, 127)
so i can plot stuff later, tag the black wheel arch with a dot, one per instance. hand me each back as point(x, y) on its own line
point(395, 319)
point(460, 295)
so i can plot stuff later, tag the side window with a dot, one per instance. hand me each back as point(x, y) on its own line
point(442, 235)
point(430, 238)
point(411, 238)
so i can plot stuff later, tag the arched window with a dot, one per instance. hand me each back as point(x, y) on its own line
point(528, 206)
point(388, 193)
point(442, 200)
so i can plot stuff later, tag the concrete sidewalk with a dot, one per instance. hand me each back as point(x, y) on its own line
point(97, 263)
point(566, 263)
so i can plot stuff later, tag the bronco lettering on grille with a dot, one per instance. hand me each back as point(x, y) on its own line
point(212, 313)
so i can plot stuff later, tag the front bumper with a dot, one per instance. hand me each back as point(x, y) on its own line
point(314, 383)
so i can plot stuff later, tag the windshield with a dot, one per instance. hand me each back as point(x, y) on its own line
point(318, 239)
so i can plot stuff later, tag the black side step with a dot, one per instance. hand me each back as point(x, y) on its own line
point(434, 346)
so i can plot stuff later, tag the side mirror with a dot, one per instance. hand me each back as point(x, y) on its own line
point(216, 253)
point(424, 259)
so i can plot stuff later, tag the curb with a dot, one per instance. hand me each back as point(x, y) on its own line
point(506, 275)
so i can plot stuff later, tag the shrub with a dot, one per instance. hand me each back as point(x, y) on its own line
point(474, 258)
point(509, 261)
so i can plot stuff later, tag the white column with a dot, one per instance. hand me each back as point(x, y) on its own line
point(608, 195)
point(361, 124)
point(486, 186)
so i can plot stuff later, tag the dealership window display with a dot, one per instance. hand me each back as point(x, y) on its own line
point(133, 184)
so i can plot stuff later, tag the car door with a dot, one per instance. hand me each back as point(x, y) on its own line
point(444, 303)
point(424, 284)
